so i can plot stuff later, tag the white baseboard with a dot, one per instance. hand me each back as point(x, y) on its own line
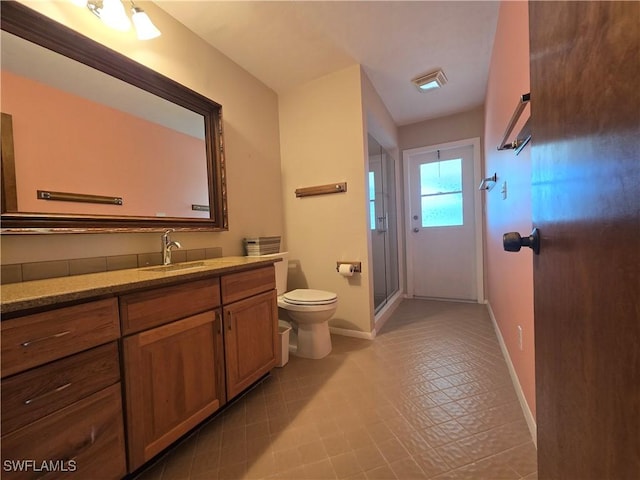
point(528, 416)
point(381, 319)
point(352, 333)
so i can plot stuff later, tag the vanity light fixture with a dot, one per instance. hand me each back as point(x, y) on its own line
point(145, 29)
point(114, 15)
point(430, 81)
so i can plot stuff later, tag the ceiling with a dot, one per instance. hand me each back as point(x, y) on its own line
point(287, 44)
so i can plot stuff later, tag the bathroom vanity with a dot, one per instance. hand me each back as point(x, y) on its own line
point(112, 368)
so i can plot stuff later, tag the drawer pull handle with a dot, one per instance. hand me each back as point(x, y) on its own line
point(218, 323)
point(36, 340)
point(55, 390)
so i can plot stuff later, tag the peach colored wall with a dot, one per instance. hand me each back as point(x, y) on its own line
point(510, 275)
point(250, 113)
point(153, 168)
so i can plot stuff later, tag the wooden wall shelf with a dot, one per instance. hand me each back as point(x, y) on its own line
point(322, 189)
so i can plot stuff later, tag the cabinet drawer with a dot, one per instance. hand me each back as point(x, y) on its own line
point(237, 286)
point(87, 436)
point(143, 310)
point(31, 395)
point(36, 339)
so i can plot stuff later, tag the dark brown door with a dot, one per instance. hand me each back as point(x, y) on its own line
point(585, 113)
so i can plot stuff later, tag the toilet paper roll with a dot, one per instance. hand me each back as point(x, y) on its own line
point(346, 270)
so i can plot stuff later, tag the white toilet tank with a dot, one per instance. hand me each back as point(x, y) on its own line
point(282, 269)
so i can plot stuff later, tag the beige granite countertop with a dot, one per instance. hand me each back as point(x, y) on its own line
point(38, 293)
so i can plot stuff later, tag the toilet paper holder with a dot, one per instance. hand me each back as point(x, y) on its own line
point(357, 266)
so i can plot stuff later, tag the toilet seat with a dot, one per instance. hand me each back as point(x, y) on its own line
point(306, 296)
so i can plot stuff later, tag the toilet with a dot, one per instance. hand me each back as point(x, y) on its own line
point(309, 311)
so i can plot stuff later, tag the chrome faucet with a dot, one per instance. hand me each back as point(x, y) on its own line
point(167, 246)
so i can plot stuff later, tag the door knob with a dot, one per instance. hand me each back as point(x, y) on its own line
point(416, 230)
point(512, 241)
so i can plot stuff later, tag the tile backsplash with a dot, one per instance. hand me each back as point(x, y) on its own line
point(24, 272)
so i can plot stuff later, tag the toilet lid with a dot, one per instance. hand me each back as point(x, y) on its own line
point(305, 296)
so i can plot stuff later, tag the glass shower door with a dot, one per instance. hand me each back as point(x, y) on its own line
point(383, 224)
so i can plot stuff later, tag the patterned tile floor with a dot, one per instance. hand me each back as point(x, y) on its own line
point(430, 397)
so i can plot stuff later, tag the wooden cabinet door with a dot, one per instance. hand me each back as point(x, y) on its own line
point(171, 384)
point(250, 334)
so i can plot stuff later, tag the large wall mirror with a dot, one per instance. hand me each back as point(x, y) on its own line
point(93, 141)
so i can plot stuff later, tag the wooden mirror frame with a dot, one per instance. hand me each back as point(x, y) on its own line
point(28, 24)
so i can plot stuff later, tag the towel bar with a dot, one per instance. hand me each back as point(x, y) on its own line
point(521, 140)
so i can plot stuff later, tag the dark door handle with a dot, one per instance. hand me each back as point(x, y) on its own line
point(512, 241)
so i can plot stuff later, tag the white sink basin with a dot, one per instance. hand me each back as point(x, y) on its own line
point(174, 266)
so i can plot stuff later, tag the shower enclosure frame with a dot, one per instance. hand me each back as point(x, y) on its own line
point(384, 228)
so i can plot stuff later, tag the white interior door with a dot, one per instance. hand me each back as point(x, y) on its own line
point(443, 228)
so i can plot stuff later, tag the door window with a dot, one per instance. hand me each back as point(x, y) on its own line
point(441, 193)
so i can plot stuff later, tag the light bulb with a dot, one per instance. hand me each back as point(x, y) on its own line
point(145, 28)
point(114, 15)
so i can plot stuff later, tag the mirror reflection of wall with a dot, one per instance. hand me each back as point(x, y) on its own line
point(78, 130)
point(383, 223)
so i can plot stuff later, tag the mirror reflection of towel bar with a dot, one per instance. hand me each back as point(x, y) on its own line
point(78, 197)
